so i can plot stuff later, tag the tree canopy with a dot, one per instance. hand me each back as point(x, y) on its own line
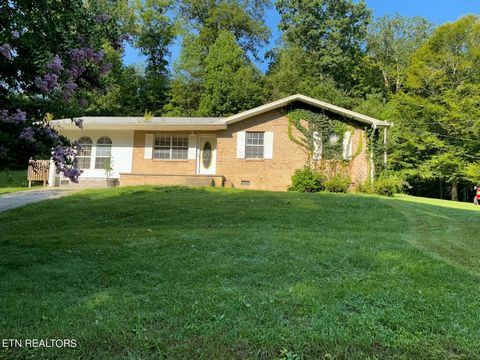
point(439, 109)
point(399, 69)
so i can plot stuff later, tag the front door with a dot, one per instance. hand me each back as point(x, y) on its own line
point(206, 155)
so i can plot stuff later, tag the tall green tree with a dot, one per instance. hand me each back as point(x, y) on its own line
point(439, 122)
point(244, 19)
point(156, 31)
point(332, 32)
point(293, 70)
point(391, 41)
point(134, 90)
point(125, 93)
point(202, 22)
point(231, 82)
point(187, 83)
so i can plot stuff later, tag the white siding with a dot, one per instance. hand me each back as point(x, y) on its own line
point(122, 150)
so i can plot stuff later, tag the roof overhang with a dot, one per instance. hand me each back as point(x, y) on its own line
point(312, 102)
point(208, 124)
point(141, 123)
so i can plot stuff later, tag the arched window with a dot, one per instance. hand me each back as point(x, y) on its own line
point(84, 153)
point(103, 153)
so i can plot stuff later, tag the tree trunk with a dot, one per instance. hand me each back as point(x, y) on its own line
point(454, 190)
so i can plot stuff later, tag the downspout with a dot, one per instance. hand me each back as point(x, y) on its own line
point(385, 155)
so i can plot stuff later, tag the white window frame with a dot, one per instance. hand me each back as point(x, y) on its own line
point(170, 147)
point(102, 156)
point(85, 156)
point(255, 145)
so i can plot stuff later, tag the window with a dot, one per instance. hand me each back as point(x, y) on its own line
point(170, 147)
point(104, 152)
point(254, 144)
point(84, 153)
point(207, 155)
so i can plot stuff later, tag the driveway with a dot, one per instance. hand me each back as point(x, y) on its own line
point(20, 198)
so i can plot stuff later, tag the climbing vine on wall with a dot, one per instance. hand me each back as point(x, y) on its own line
point(318, 133)
point(318, 128)
point(375, 150)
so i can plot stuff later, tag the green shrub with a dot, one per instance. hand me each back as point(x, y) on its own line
point(388, 186)
point(366, 187)
point(306, 180)
point(338, 184)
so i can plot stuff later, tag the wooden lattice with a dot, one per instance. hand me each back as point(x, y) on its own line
point(38, 171)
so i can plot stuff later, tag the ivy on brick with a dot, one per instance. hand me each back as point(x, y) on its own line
point(309, 123)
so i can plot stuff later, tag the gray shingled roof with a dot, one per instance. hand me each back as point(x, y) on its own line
point(216, 123)
point(135, 120)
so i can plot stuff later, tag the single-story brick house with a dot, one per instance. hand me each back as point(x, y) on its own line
point(250, 150)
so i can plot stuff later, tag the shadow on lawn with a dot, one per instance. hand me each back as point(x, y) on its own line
point(194, 272)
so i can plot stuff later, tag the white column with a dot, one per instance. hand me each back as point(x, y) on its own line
point(51, 173)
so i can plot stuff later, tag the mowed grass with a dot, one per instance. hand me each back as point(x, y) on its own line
point(155, 273)
point(14, 180)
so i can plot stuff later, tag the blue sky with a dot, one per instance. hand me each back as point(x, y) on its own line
point(437, 11)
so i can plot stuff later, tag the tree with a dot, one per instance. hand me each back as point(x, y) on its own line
point(331, 31)
point(243, 19)
point(293, 71)
point(439, 119)
point(187, 84)
point(125, 95)
point(203, 21)
point(231, 82)
point(39, 82)
point(391, 41)
point(156, 33)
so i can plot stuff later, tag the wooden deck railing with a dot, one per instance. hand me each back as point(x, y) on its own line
point(38, 171)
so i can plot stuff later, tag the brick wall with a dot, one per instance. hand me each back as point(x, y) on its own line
point(263, 174)
point(141, 165)
point(359, 164)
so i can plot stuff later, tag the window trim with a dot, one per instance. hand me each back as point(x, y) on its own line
point(262, 145)
point(171, 136)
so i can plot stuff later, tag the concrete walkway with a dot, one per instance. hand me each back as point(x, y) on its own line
point(20, 198)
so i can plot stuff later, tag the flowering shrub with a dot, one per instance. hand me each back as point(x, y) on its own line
point(17, 117)
point(46, 70)
point(64, 158)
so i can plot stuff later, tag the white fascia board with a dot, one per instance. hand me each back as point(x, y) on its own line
point(310, 101)
point(146, 127)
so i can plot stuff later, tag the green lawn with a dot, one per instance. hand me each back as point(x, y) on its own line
point(155, 273)
point(14, 180)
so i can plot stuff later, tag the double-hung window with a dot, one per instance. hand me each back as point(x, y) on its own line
point(254, 145)
point(84, 153)
point(170, 147)
point(103, 153)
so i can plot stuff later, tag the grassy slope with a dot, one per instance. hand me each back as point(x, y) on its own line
point(13, 180)
point(201, 273)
